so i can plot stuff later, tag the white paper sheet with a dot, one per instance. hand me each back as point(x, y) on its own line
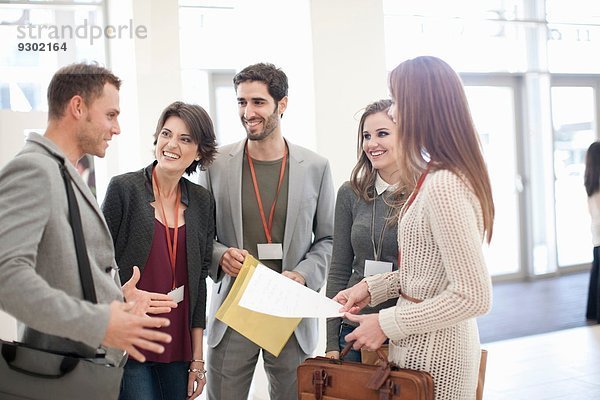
point(269, 292)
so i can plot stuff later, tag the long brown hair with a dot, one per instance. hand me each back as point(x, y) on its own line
point(434, 122)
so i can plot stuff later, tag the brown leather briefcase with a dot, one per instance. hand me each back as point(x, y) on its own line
point(322, 378)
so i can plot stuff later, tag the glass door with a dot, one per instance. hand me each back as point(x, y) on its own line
point(493, 107)
point(574, 122)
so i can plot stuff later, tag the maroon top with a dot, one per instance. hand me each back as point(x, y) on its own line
point(158, 277)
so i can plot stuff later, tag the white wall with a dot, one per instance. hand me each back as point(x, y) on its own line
point(149, 69)
point(349, 65)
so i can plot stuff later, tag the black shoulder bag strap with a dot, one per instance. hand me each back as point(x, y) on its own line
point(83, 261)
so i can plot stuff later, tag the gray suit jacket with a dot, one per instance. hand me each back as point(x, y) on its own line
point(39, 277)
point(308, 234)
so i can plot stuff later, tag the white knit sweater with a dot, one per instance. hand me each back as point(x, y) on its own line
point(440, 237)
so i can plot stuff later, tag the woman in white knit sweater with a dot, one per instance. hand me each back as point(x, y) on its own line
point(442, 279)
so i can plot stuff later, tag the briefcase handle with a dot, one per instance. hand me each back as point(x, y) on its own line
point(9, 353)
point(348, 347)
point(380, 374)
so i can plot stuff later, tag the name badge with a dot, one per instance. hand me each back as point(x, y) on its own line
point(270, 251)
point(373, 267)
point(177, 294)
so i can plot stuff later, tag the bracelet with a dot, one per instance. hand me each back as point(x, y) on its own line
point(200, 373)
point(201, 360)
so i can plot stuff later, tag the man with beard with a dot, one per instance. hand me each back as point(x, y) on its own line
point(40, 283)
point(275, 201)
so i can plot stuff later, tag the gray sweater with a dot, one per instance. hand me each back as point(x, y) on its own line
point(352, 245)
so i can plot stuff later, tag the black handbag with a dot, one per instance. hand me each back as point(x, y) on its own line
point(30, 373)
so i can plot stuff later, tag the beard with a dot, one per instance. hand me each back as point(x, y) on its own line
point(269, 126)
point(91, 140)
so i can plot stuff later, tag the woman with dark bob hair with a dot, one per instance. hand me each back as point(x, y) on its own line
point(163, 229)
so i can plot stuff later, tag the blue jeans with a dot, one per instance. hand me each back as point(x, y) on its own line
point(353, 355)
point(154, 381)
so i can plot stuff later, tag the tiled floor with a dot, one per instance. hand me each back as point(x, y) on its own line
point(558, 365)
point(535, 307)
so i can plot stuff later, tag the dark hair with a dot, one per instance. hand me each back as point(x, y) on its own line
point(591, 176)
point(81, 79)
point(201, 128)
point(363, 174)
point(273, 77)
point(433, 117)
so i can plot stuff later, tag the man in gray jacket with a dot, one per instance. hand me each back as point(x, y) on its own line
point(274, 200)
point(39, 277)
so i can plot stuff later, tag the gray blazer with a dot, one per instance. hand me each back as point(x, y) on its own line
point(308, 235)
point(39, 277)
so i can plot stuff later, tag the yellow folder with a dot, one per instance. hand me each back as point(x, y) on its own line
point(267, 331)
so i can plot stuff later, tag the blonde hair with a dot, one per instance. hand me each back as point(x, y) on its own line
point(363, 174)
point(363, 177)
point(434, 121)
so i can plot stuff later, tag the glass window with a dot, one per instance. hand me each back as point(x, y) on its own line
point(573, 48)
point(37, 40)
point(51, 2)
point(573, 120)
point(493, 110)
point(535, 40)
point(229, 127)
point(574, 11)
point(573, 36)
point(486, 36)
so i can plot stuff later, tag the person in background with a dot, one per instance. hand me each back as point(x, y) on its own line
point(591, 181)
point(39, 276)
point(275, 201)
point(85, 167)
point(164, 224)
point(442, 279)
point(365, 238)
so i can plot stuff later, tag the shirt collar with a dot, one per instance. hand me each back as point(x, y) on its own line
point(382, 186)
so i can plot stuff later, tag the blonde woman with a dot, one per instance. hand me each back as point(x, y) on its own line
point(365, 235)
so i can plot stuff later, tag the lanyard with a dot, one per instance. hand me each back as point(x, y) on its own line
point(269, 226)
point(377, 248)
point(171, 246)
point(412, 197)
